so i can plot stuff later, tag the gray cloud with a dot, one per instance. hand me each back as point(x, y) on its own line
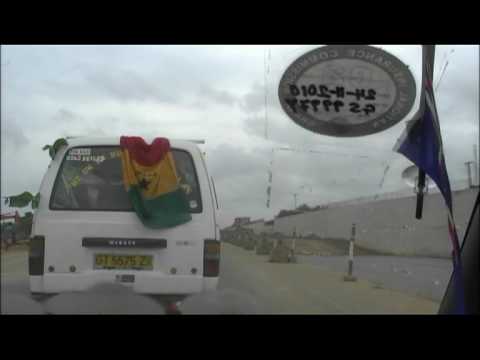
point(128, 85)
point(254, 100)
point(325, 177)
point(222, 97)
point(98, 131)
point(229, 162)
point(184, 90)
point(15, 134)
point(255, 125)
point(283, 132)
point(65, 116)
point(240, 180)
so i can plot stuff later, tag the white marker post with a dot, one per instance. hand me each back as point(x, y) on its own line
point(349, 276)
point(294, 239)
point(469, 174)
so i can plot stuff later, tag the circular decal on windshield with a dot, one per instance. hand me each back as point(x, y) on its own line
point(347, 90)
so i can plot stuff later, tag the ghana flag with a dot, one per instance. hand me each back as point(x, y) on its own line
point(151, 180)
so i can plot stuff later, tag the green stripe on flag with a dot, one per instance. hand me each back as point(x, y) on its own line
point(166, 210)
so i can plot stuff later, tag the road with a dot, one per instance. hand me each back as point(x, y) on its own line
point(249, 284)
point(423, 277)
point(14, 284)
point(15, 295)
point(304, 288)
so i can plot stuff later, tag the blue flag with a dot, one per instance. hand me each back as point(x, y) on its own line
point(421, 143)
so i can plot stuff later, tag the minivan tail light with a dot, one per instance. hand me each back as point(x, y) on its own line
point(36, 255)
point(211, 258)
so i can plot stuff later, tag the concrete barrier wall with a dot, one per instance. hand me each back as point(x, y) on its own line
point(259, 227)
point(388, 225)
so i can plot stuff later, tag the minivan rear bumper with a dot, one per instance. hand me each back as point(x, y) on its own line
point(144, 282)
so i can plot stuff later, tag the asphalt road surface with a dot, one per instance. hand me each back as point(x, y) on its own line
point(248, 284)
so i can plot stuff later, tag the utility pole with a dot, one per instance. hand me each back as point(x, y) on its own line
point(469, 170)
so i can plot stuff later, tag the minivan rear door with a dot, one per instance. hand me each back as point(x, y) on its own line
point(89, 225)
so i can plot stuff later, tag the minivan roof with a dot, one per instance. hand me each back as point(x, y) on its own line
point(115, 141)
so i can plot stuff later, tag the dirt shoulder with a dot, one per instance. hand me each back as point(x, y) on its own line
point(305, 289)
point(327, 247)
point(19, 247)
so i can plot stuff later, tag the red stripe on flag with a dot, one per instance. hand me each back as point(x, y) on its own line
point(143, 153)
point(454, 239)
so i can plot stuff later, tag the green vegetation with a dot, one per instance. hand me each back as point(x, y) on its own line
point(26, 198)
point(53, 149)
point(300, 210)
point(22, 200)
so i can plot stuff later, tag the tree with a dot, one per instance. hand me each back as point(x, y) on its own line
point(284, 213)
point(53, 149)
point(26, 198)
point(22, 200)
point(304, 208)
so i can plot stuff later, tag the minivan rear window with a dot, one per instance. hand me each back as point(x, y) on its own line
point(90, 178)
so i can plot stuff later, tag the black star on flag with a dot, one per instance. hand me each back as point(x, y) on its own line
point(143, 184)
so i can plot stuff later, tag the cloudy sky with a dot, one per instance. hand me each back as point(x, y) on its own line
point(217, 93)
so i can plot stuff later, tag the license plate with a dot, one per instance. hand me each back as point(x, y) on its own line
point(124, 278)
point(122, 262)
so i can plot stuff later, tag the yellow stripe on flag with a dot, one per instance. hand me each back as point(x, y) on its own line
point(155, 180)
point(129, 178)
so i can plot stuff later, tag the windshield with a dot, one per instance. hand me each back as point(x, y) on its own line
point(300, 200)
point(90, 178)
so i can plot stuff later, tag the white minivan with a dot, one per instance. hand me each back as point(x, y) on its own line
point(85, 232)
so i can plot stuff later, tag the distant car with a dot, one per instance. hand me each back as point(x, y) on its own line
point(86, 233)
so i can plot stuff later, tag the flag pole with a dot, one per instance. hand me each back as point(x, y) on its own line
point(428, 54)
point(421, 143)
point(420, 192)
